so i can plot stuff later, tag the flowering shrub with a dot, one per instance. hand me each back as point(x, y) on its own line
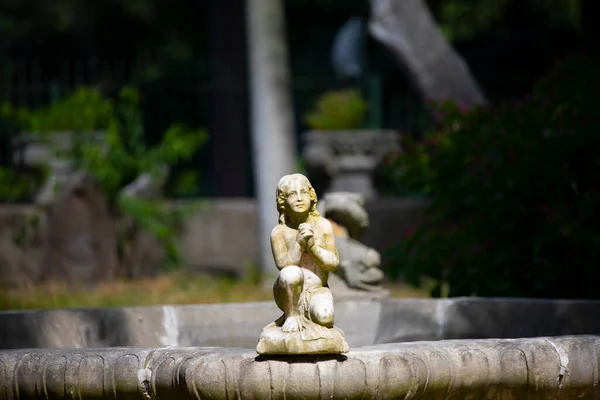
point(515, 193)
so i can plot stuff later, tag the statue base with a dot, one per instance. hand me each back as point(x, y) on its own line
point(274, 341)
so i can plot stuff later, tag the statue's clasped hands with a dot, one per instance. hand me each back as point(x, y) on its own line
point(305, 237)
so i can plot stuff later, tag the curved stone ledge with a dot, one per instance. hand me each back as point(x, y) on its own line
point(365, 322)
point(560, 367)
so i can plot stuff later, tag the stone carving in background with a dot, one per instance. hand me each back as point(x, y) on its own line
point(81, 242)
point(304, 250)
point(42, 151)
point(359, 264)
point(83, 230)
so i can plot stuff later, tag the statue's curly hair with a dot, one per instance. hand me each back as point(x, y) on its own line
point(281, 194)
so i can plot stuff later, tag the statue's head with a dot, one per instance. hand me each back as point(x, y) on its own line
point(296, 195)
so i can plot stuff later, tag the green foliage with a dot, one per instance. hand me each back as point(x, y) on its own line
point(338, 110)
point(162, 220)
point(124, 156)
point(561, 11)
point(464, 19)
point(515, 195)
point(13, 118)
point(16, 185)
point(83, 111)
point(117, 158)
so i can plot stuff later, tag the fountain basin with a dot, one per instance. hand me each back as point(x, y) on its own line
point(365, 322)
point(561, 367)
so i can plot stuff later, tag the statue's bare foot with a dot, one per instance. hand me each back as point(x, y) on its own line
point(291, 324)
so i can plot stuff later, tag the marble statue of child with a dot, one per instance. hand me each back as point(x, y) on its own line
point(304, 249)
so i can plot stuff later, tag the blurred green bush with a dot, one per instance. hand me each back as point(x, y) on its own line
point(18, 183)
point(338, 110)
point(515, 193)
point(115, 159)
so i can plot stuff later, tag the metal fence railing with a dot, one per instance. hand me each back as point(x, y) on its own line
point(184, 93)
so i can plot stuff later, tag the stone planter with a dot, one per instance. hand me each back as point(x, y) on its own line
point(348, 158)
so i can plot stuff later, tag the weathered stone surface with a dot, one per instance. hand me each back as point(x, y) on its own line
point(273, 341)
point(341, 290)
point(561, 367)
point(22, 240)
point(227, 325)
point(404, 320)
point(222, 236)
point(223, 221)
point(82, 240)
point(71, 240)
point(365, 322)
point(145, 253)
point(234, 221)
point(513, 318)
point(347, 209)
point(347, 158)
point(304, 250)
point(359, 267)
point(81, 328)
point(359, 319)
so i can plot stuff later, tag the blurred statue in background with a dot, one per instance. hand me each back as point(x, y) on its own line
point(304, 249)
point(359, 264)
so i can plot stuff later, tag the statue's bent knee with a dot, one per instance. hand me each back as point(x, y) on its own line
point(321, 308)
point(291, 276)
point(322, 315)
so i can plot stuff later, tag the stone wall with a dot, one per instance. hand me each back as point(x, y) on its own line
point(223, 234)
point(23, 238)
point(75, 239)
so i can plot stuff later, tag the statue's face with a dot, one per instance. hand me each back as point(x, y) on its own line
point(298, 196)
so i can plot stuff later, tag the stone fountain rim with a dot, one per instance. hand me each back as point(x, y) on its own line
point(478, 368)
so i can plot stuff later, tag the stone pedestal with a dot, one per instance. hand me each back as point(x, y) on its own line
point(274, 341)
point(348, 158)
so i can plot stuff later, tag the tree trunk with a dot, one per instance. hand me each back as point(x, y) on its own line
point(272, 114)
point(438, 72)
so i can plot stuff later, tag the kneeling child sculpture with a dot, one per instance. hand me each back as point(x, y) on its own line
point(304, 250)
